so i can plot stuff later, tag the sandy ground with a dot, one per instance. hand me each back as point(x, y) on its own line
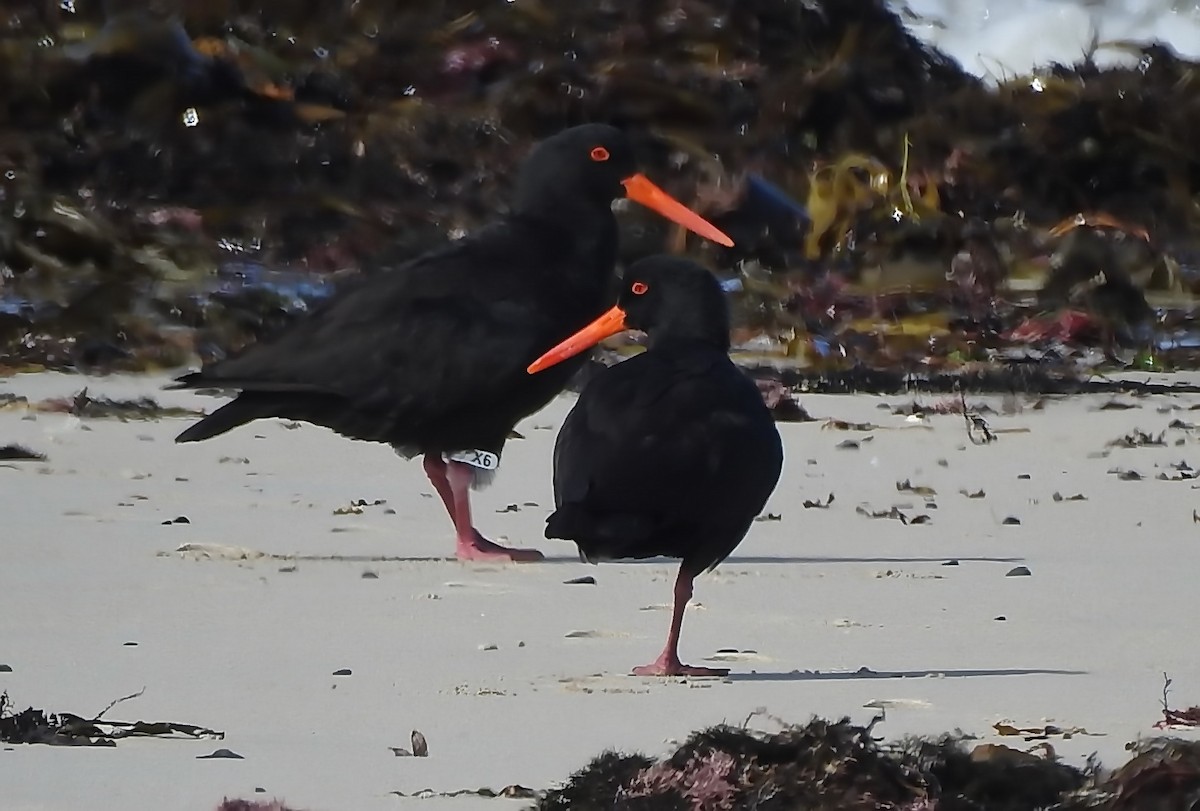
point(515, 676)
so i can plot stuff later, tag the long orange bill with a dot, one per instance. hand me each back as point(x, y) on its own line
point(608, 324)
point(639, 189)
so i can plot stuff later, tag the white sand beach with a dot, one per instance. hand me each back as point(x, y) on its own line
point(516, 677)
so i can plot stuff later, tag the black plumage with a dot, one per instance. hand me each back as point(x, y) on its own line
point(430, 357)
point(672, 452)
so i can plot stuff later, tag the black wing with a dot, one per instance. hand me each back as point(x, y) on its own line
point(447, 329)
point(688, 448)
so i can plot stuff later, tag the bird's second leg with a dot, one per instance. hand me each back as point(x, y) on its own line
point(668, 664)
point(435, 469)
point(471, 544)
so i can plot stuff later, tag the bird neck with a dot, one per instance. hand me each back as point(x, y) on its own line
point(587, 231)
point(562, 206)
point(686, 330)
point(694, 320)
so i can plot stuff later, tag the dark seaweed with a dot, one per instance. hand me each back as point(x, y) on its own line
point(65, 729)
point(19, 453)
point(178, 178)
point(826, 765)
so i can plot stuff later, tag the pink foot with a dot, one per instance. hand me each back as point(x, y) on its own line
point(666, 665)
point(453, 483)
point(481, 549)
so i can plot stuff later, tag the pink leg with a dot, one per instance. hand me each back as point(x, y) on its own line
point(435, 469)
point(471, 545)
point(667, 663)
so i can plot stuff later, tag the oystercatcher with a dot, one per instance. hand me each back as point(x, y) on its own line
point(430, 357)
point(671, 452)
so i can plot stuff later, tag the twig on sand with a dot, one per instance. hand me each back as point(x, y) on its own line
point(117, 701)
point(975, 423)
point(1176, 718)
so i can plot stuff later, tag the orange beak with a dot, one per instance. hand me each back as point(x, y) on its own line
point(608, 324)
point(639, 189)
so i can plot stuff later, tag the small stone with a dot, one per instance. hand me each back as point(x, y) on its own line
point(1024, 476)
point(259, 790)
point(221, 753)
point(369, 575)
point(1000, 618)
point(586, 580)
point(489, 646)
point(130, 645)
point(1019, 571)
point(951, 562)
point(6, 669)
point(420, 747)
point(345, 671)
point(1011, 521)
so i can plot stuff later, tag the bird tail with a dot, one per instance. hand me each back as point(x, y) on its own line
point(190, 380)
point(599, 536)
point(247, 407)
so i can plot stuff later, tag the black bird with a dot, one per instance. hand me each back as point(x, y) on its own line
point(430, 357)
point(671, 452)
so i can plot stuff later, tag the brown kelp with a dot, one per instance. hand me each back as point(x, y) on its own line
point(180, 177)
point(839, 765)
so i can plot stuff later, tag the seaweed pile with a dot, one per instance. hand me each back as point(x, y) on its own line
point(826, 765)
point(180, 177)
point(34, 726)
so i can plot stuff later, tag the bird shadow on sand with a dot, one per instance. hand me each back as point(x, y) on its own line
point(868, 674)
point(218, 551)
point(754, 560)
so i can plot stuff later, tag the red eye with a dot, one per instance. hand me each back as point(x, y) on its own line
point(599, 154)
point(638, 288)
